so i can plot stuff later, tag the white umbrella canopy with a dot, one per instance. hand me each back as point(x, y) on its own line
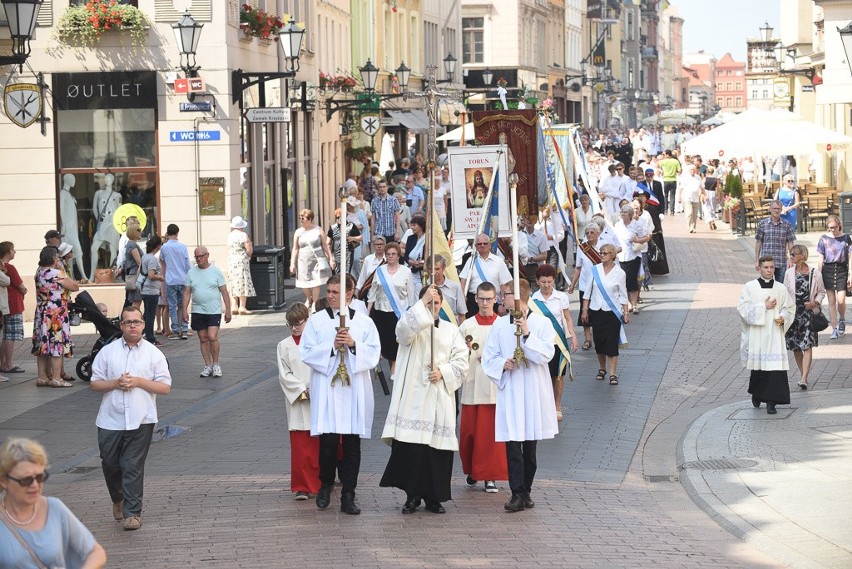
point(455, 134)
point(766, 133)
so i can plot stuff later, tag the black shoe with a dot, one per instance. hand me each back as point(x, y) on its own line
point(528, 502)
point(324, 496)
point(471, 483)
point(770, 408)
point(411, 505)
point(347, 504)
point(516, 504)
point(755, 401)
point(435, 507)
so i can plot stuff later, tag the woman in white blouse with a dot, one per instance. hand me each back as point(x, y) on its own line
point(633, 236)
point(597, 311)
point(386, 311)
point(583, 274)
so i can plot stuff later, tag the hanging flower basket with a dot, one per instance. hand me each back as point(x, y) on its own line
point(257, 23)
point(87, 23)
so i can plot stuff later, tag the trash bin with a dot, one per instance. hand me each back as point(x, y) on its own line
point(845, 208)
point(268, 271)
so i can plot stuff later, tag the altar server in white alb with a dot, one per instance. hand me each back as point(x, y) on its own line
point(340, 411)
point(295, 380)
point(421, 422)
point(766, 312)
point(526, 412)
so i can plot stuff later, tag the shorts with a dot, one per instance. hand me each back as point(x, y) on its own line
point(204, 321)
point(13, 327)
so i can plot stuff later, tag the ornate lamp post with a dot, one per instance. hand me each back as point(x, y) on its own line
point(22, 16)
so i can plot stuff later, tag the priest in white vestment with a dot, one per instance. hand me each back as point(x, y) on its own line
point(526, 411)
point(766, 312)
point(295, 378)
point(421, 422)
point(340, 411)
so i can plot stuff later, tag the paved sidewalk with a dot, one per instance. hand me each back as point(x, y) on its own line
point(610, 489)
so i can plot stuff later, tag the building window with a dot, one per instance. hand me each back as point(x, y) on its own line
point(754, 93)
point(739, 86)
point(766, 93)
point(473, 40)
point(739, 101)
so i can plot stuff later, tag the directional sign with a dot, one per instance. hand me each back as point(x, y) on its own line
point(192, 135)
point(202, 107)
point(190, 85)
point(268, 114)
point(370, 124)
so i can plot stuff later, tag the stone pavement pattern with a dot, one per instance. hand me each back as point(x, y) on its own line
point(607, 489)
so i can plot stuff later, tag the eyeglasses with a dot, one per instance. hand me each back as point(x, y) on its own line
point(832, 227)
point(483, 244)
point(788, 181)
point(489, 299)
point(508, 293)
point(607, 253)
point(28, 481)
point(132, 323)
point(297, 324)
point(201, 256)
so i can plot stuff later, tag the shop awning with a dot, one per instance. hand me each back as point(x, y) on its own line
point(414, 120)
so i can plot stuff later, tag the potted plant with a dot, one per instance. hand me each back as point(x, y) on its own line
point(85, 24)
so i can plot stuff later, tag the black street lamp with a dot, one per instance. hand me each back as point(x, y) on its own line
point(369, 76)
point(403, 73)
point(291, 38)
point(766, 32)
point(487, 76)
point(450, 66)
point(22, 16)
point(846, 40)
point(187, 33)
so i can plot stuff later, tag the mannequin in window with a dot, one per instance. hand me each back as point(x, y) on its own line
point(104, 205)
point(68, 221)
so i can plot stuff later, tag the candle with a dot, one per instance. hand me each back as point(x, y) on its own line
point(513, 190)
point(343, 245)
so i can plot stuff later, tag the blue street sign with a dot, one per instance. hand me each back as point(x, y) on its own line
point(190, 135)
point(203, 107)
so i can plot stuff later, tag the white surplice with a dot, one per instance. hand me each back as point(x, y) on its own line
point(294, 377)
point(526, 410)
point(343, 409)
point(762, 345)
point(478, 389)
point(422, 412)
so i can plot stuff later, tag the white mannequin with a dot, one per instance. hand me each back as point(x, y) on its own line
point(68, 221)
point(105, 203)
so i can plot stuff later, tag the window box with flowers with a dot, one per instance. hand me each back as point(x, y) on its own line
point(85, 24)
point(256, 23)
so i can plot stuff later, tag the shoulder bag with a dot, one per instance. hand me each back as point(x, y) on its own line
point(14, 531)
point(818, 321)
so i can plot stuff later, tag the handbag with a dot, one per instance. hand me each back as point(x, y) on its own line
point(818, 321)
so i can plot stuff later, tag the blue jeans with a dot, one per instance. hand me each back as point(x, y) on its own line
point(174, 296)
point(150, 301)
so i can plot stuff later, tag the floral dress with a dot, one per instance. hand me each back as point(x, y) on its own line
point(801, 336)
point(239, 271)
point(51, 328)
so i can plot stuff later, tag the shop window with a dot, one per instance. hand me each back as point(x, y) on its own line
point(107, 158)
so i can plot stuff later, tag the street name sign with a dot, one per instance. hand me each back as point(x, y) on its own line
point(268, 114)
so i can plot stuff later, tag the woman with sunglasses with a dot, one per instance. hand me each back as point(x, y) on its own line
point(788, 195)
point(38, 531)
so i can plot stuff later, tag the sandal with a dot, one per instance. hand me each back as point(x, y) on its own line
point(587, 345)
point(613, 380)
point(601, 374)
point(59, 383)
point(243, 311)
point(16, 369)
point(42, 382)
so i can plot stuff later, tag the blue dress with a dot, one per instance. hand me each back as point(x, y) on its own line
point(787, 198)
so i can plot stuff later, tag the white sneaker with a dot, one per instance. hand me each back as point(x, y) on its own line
point(491, 487)
point(217, 370)
point(207, 371)
point(834, 334)
point(3, 378)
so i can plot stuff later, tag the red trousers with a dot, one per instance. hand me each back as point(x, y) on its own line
point(304, 462)
point(482, 457)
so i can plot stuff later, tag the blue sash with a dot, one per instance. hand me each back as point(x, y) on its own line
point(479, 270)
point(390, 291)
point(596, 269)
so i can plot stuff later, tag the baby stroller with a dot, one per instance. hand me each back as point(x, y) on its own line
point(108, 329)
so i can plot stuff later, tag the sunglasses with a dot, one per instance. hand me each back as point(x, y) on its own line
point(28, 481)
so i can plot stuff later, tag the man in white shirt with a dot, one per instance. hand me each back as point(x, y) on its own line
point(370, 264)
point(690, 191)
point(451, 290)
point(537, 247)
point(482, 264)
point(442, 193)
point(130, 372)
